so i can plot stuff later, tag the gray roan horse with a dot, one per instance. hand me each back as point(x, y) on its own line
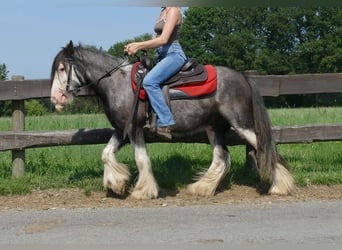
point(236, 104)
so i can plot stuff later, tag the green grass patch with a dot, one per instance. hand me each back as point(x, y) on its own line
point(174, 165)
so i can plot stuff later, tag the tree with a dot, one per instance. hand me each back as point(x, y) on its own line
point(34, 108)
point(320, 47)
point(222, 36)
point(3, 72)
point(268, 40)
point(5, 106)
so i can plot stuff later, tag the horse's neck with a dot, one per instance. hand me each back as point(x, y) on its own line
point(97, 64)
point(100, 67)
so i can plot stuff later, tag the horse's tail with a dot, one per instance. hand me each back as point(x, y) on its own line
point(272, 166)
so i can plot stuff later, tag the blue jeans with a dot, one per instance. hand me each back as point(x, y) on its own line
point(171, 59)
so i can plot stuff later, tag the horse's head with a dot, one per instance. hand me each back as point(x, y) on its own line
point(78, 67)
point(65, 78)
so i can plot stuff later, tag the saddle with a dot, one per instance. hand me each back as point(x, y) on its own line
point(192, 81)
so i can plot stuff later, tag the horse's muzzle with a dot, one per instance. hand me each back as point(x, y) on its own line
point(59, 100)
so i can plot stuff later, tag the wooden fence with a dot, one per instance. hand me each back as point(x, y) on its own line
point(19, 90)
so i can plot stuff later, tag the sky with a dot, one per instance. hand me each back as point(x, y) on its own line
point(33, 31)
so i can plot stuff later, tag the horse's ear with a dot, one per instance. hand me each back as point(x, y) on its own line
point(69, 49)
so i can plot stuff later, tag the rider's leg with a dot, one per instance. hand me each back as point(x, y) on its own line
point(164, 69)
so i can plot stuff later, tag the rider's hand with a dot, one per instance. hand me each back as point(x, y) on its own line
point(132, 48)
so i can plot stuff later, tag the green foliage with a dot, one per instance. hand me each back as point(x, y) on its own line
point(34, 108)
point(14, 186)
point(269, 40)
point(221, 36)
point(118, 48)
point(5, 106)
point(84, 105)
point(3, 72)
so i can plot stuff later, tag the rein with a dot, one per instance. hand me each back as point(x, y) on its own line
point(75, 90)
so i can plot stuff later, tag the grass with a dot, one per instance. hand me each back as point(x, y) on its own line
point(174, 165)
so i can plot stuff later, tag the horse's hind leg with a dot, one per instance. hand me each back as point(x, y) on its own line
point(282, 182)
point(209, 181)
point(115, 174)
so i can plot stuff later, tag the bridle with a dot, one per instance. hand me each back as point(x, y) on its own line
point(76, 88)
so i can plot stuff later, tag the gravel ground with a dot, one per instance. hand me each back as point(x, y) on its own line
point(76, 198)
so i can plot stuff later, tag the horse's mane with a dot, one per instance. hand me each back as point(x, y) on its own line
point(90, 49)
point(80, 50)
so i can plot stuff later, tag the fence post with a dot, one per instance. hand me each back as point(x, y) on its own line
point(18, 124)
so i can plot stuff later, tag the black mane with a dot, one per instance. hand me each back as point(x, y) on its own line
point(82, 51)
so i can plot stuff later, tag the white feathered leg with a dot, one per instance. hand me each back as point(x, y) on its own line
point(115, 174)
point(208, 182)
point(282, 181)
point(146, 186)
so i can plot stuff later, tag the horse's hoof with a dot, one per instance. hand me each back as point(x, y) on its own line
point(276, 191)
point(140, 195)
point(198, 189)
point(118, 189)
point(283, 183)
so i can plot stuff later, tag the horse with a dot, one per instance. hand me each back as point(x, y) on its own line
point(235, 105)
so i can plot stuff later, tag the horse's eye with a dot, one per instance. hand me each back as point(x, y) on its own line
point(61, 69)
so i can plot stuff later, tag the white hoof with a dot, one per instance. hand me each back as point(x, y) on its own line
point(201, 189)
point(118, 184)
point(283, 183)
point(145, 193)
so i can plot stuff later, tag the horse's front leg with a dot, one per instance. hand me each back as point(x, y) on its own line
point(115, 174)
point(146, 186)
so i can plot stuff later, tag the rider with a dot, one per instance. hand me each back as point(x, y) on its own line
point(171, 58)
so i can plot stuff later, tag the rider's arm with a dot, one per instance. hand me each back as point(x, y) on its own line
point(173, 17)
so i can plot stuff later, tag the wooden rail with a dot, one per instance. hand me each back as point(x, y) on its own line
point(269, 85)
point(19, 90)
point(283, 135)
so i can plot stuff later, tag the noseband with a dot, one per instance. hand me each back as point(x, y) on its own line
point(75, 88)
point(69, 86)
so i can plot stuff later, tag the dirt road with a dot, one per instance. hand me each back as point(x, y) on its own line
point(76, 198)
